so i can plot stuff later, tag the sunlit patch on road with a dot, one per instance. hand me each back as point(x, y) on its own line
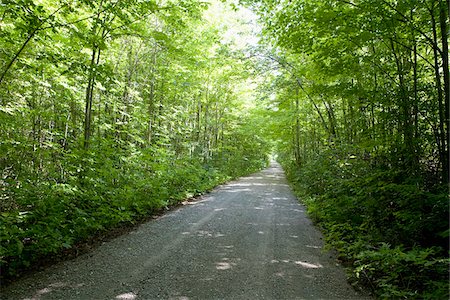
point(223, 265)
point(227, 247)
point(53, 287)
point(253, 224)
point(308, 265)
point(237, 190)
point(303, 264)
point(279, 274)
point(314, 247)
point(127, 296)
point(280, 198)
point(254, 177)
point(202, 233)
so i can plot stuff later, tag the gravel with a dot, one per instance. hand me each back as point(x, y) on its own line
point(248, 239)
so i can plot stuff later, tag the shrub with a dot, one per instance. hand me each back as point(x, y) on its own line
point(390, 228)
point(397, 273)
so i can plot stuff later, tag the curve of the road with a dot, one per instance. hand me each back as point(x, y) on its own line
point(248, 239)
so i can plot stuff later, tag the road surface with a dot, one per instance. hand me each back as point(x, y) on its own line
point(249, 239)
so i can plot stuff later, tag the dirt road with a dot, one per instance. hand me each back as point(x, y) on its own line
point(249, 239)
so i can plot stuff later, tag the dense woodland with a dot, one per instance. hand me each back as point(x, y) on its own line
point(112, 110)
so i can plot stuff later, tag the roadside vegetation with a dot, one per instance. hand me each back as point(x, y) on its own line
point(359, 106)
point(110, 111)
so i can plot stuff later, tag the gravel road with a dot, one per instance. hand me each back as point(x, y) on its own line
point(249, 239)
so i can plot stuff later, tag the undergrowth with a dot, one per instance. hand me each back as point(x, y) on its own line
point(387, 225)
point(48, 215)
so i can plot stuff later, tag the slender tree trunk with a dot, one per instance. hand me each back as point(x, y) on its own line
point(198, 120)
point(344, 120)
point(331, 120)
point(25, 43)
point(297, 128)
point(16, 56)
point(205, 129)
point(95, 58)
point(442, 136)
point(66, 132)
point(374, 100)
point(416, 96)
point(443, 20)
point(324, 123)
point(89, 96)
point(151, 98)
point(216, 124)
point(405, 110)
point(372, 112)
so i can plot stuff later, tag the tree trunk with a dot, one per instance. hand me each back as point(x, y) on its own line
point(151, 99)
point(443, 159)
point(28, 39)
point(297, 128)
point(89, 96)
point(443, 19)
point(410, 153)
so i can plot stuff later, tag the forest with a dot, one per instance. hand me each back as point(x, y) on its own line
point(115, 110)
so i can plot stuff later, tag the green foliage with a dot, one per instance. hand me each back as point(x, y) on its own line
point(390, 229)
point(109, 112)
point(414, 274)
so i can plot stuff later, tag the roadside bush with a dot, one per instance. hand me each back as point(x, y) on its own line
point(398, 273)
point(390, 228)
